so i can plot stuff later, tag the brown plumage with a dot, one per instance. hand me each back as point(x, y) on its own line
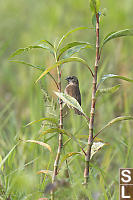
point(72, 89)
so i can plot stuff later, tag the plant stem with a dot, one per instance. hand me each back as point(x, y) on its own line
point(93, 103)
point(60, 145)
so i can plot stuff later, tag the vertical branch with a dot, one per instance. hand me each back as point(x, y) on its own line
point(60, 142)
point(93, 102)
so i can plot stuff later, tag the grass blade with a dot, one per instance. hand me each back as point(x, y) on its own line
point(40, 143)
point(58, 130)
point(6, 157)
point(52, 120)
point(7, 107)
point(68, 155)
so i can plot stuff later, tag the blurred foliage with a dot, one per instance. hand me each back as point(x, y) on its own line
point(23, 23)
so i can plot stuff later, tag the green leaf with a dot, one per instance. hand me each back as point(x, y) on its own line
point(121, 33)
point(6, 157)
point(52, 130)
point(86, 137)
point(7, 107)
point(68, 155)
point(110, 90)
point(40, 143)
point(94, 20)
point(63, 61)
point(113, 121)
point(51, 120)
point(49, 138)
point(96, 147)
point(58, 130)
point(0, 163)
point(47, 42)
point(113, 76)
point(72, 44)
point(41, 68)
point(21, 50)
point(11, 159)
point(70, 101)
point(73, 50)
point(95, 5)
point(68, 33)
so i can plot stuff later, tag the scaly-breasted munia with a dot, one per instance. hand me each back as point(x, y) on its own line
point(72, 89)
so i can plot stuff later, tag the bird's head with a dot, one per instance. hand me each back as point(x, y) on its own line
point(72, 79)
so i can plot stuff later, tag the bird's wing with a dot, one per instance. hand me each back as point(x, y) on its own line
point(73, 91)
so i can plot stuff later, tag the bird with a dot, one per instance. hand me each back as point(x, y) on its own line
point(72, 89)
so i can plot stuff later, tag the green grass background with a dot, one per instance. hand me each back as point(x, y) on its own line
point(23, 23)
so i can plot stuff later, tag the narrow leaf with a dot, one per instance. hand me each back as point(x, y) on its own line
point(114, 76)
point(110, 90)
point(18, 52)
point(72, 44)
point(21, 50)
point(58, 130)
point(95, 5)
point(0, 163)
point(51, 120)
point(86, 137)
point(41, 68)
point(68, 155)
point(6, 157)
point(73, 50)
point(48, 172)
point(7, 107)
point(51, 130)
point(70, 101)
point(113, 121)
point(47, 42)
point(49, 138)
point(63, 61)
point(68, 33)
point(96, 147)
point(121, 33)
point(40, 143)
point(94, 20)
